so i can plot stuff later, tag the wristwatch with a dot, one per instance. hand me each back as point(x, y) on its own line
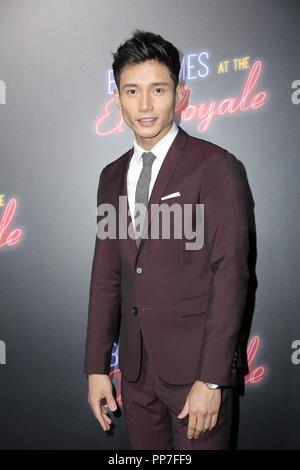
point(212, 386)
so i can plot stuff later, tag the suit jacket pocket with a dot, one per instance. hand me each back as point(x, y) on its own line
point(192, 305)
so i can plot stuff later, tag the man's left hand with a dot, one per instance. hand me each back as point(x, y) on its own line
point(202, 405)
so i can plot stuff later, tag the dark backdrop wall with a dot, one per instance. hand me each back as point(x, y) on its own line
point(58, 130)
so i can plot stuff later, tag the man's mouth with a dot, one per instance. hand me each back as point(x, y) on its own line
point(148, 120)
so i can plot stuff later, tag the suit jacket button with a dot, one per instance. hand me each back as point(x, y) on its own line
point(139, 270)
point(134, 310)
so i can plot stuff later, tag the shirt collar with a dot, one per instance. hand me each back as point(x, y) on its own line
point(160, 149)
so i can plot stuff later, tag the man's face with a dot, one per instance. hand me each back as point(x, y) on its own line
point(147, 91)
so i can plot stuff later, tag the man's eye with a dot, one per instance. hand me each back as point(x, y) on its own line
point(129, 91)
point(161, 90)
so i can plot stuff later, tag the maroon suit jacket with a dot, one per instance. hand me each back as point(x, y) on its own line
point(188, 304)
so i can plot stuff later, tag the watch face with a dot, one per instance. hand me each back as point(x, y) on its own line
point(212, 386)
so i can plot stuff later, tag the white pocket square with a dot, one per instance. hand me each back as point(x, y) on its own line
point(169, 196)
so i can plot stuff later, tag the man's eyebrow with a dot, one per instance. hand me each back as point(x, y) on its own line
point(127, 85)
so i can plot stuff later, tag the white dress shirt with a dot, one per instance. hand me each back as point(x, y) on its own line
point(160, 150)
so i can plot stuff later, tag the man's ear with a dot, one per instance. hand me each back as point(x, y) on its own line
point(117, 98)
point(179, 94)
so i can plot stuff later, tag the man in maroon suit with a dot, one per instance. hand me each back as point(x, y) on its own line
point(176, 309)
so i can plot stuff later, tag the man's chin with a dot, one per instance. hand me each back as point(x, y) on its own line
point(158, 128)
point(147, 133)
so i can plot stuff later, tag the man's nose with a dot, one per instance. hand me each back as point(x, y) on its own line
point(145, 102)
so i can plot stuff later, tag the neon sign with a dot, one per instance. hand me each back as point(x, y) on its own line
point(111, 120)
point(255, 375)
point(9, 238)
point(193, 66)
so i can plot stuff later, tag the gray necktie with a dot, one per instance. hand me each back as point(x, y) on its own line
point(142, 187)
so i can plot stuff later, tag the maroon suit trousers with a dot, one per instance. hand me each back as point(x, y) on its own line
point(151, 406)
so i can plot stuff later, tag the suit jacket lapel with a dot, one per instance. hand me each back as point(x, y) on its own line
point(167, 168)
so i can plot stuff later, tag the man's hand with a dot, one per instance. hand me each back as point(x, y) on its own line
point(202, 405)
point(100, 387)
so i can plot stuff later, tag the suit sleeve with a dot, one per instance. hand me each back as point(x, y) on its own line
point(104, 300)
point(226, 235)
